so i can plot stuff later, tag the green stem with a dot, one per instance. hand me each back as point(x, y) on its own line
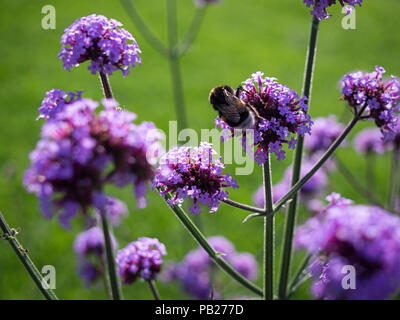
point(370, 172)
point(193, 31)
point(292, 192)
point(268, 234)
point(23, 256)
point(106, 85)
point(174, 64)
point(111, 266)
point(214, 255)
point(154, 290)
point(300, 277)
point(348, 175)
point(394, 192)
point(143, 29)
point(243, 206)
point(292, 208)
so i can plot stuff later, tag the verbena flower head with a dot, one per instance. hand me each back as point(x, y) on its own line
point(195, 271)
point(140, 259)
point(313, 188)
point(378, 95)
point(203, 3)
point(369, 141)
point(194, 173)
point(89, 247)
point(115, 209)
point(365, 237)
point(319, 6)
point(324, 133)
point(80, 152)
point(91, 243)
point(282, 112)
point(103, 42)
point(55, 101)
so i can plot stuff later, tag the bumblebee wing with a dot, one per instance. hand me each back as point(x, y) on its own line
point(229, 114)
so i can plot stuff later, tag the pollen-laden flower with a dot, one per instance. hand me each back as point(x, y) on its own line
point(313, 188)
point(140, 259)
point(55, 101)
point(324, 133)
point(89, 247)
point(203, 3)
point(194, 173)
point(282, 114)
point(80, 152)
point(380, 97)
point(103, 42)
point(369, 141)
point(195, 271)
point(319, 6)
point(364, 237)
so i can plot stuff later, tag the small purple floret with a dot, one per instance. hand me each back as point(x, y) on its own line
point(55, 101)
point(140, 259)
point(103, 42)
point(379, 96)
point(319, 6)
point(194, 173)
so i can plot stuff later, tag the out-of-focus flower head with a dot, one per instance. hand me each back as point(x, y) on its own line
point(319, 6)
point(89, 247)
point(55, 101)
point(282, 112)
point(324, 133)
point(103, 42)
point(140, 259)
point(91, 242)
point(364, 237)
point(313, 189)
point(194, 173)
point(369, 141)
point(379, 96)
point(194, 272)
point(80, 152)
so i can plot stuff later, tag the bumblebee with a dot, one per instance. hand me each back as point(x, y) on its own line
point(233, 110)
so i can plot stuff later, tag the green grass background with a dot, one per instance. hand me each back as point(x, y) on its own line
point(238, 38)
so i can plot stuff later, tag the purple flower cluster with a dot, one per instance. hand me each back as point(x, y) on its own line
point(81, 151)
point(101, 41)
point(314, 188)
point(324, 133)
point(282, 113)
point(380, 98)
point(192, 172)
point(369, 141)
point(194, 272)
point(364, 237)
point(90, 249)
point(140, 259)
point(55, 101)
point(320, 6)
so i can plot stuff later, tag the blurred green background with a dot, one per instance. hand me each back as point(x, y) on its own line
point(237, 38)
